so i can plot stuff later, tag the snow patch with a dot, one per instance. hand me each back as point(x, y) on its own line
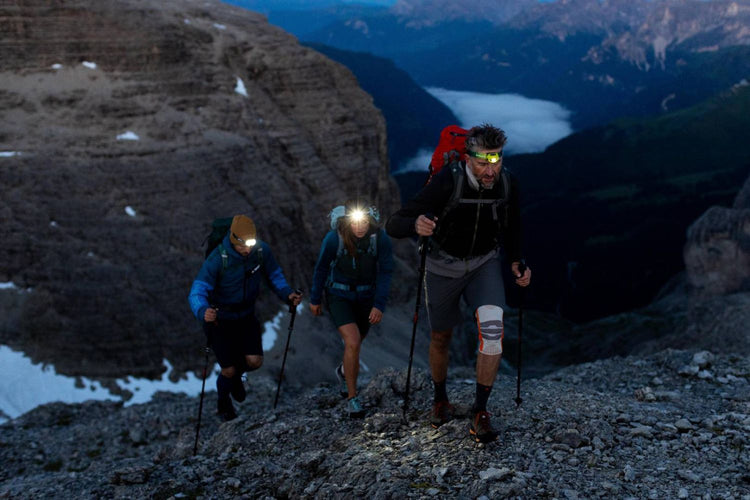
point(8, 285)
point(130, 211)
point(240, 87)
point(89, 65)
point(42, 385)
point(53, 224)
point(9, 154)
point(128, 136)
point(272, 327)
point(56, 66)
point(219, 26)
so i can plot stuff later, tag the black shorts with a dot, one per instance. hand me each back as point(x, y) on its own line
point(344, 311)
point(233, 339)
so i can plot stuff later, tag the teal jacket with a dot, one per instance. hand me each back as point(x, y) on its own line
point(369, 271)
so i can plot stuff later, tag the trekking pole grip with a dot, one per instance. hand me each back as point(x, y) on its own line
point(292, 307)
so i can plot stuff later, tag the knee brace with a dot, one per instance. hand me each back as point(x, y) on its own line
point(490, 326)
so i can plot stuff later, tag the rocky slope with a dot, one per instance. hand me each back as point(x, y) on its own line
point(125, 128)
point(671, 425)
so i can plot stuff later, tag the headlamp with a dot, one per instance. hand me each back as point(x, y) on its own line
point(357, 215)
point(490, 157)
point(250, 242)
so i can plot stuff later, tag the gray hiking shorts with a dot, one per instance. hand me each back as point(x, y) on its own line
point(480, 286)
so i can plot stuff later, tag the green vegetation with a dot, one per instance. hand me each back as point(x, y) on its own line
point(606, 210)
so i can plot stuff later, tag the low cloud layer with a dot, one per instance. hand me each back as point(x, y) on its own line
point(531, 124)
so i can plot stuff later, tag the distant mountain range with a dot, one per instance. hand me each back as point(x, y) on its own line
point(600, 59)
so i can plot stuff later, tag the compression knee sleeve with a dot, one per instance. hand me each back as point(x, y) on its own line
point(490, 326)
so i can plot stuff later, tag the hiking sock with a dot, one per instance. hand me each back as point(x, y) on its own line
point(440, 392)
point(483, 394)
point(223, 387)
point(238, 388)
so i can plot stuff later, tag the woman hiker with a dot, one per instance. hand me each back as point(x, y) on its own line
point(354, 269)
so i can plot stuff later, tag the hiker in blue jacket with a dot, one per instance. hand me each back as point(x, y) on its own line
point(354, 269)
point(223, 297)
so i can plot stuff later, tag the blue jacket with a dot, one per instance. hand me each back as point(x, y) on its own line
point(233, 286)
point(329, 249)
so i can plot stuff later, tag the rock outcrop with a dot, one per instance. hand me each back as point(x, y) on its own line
point(126, 127)
point(717, 252)
point(671, 425)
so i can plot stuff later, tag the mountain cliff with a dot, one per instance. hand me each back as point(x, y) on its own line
point(126, 129)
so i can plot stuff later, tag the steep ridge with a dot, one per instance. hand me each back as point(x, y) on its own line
point(126, 127)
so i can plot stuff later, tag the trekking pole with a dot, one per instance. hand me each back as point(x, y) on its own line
point(206, 349)
point(422, 260)
point(293, 311)
point(521, 269)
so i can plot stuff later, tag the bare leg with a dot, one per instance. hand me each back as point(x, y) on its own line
point(487, 367)
point(253, 361)
point(440, 342)
point(352, 345)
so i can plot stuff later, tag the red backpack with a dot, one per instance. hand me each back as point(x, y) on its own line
point(450, 148)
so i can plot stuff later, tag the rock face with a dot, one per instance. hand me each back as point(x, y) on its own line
point(672, 425)
point(717, 252)
point(126, 127)
point(710, 303)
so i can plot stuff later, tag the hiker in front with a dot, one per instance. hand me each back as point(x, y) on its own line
point(354, 269)
point(478, 216)
point(223, 297)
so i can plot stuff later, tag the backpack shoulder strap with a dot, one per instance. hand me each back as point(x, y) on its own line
point(339, 252)
point(457, 171)
point(224, 257)
point(372, 249)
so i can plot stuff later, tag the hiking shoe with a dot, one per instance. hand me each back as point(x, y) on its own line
point(238, 389)
point(343, 390)
point(442, 413)
point(355, 409)
point(225, 410)
point(481, 428)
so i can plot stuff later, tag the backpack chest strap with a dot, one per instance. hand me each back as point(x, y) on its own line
point(350, 288)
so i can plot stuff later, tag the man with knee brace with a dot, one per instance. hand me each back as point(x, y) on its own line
point(223, 298)
point(478, 216)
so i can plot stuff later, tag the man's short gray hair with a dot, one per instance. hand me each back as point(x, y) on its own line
point(485, 136)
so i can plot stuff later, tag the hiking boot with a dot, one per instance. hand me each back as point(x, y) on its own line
point(481, 428)
point(238, 389)
point(442, 413)
point(225, 410)
point(343, 390)
point(355, 409)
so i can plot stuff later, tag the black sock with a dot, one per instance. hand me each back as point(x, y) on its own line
point(223, 387)
point(483, 394)
point(440, 393)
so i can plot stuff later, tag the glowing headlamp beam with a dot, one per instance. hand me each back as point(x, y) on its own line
point(357, 215)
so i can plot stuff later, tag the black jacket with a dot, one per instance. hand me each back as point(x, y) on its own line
point(470, 229)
